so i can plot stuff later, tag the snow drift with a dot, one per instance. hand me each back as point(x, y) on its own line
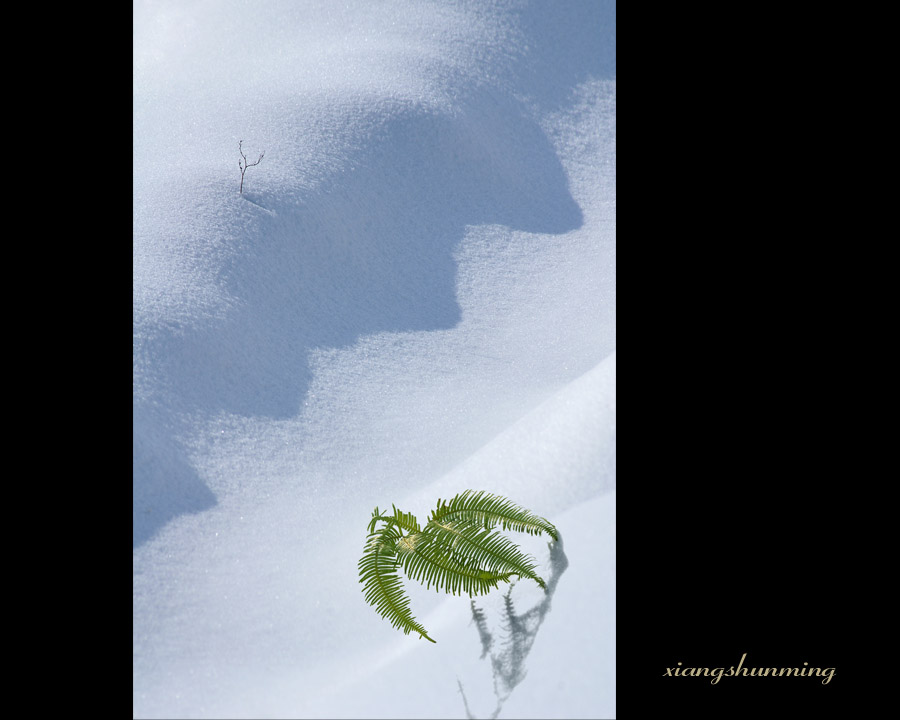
point(415, 294)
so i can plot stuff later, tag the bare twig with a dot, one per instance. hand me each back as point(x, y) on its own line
point(244, 165)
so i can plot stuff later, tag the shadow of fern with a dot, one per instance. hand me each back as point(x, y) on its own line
point(518, 631)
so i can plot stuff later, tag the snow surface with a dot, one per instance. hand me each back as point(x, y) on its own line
point(414, 295)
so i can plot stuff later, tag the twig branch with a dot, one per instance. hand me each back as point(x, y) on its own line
point(244, 165)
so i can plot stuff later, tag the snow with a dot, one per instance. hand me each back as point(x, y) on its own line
point(414, 295)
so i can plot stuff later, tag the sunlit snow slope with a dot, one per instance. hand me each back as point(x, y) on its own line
point(414, 294)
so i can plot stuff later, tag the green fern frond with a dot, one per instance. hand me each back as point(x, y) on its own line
point(406, 521)
point(483, 548)
point(430, 562)
point(378, 570)
point(458, 551)
point(488, 511)
point(376, 516)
